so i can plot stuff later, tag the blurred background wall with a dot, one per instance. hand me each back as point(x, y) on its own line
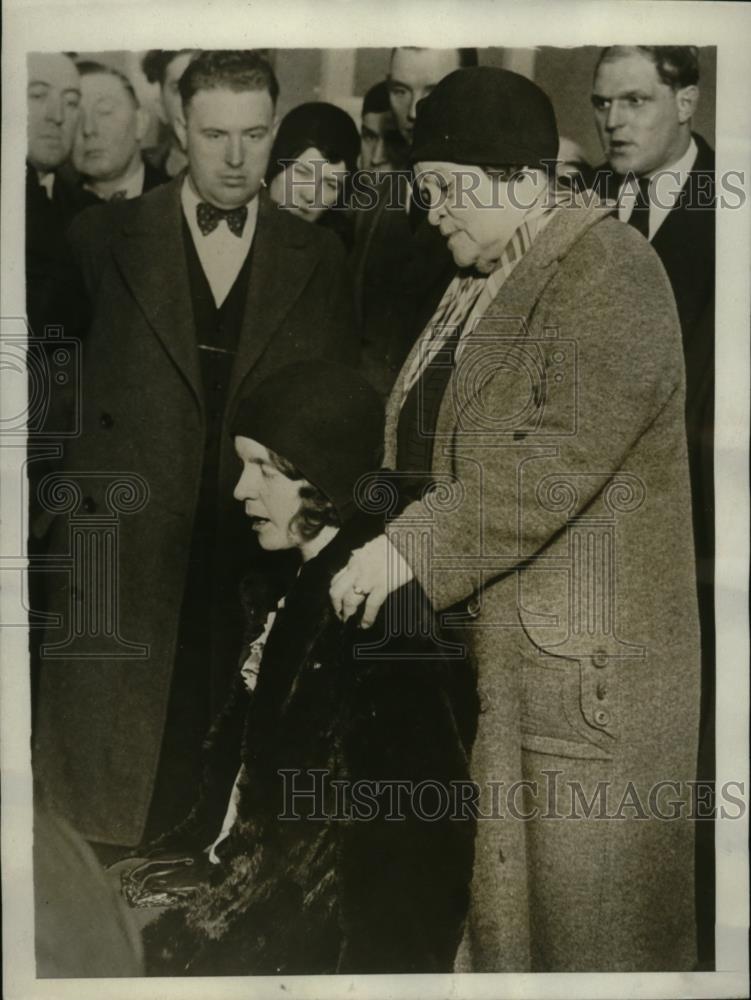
point(342, 76)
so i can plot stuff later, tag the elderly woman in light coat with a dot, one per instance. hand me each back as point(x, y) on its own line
point(538, 427)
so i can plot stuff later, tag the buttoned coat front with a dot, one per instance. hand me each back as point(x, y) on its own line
point(138, 462)
point(559, 527)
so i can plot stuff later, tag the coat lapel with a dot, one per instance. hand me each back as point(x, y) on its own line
point(151, 257)
point(281, 267)
point(516, 298)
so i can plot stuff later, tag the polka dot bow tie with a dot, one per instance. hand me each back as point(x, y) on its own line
point(209, 218)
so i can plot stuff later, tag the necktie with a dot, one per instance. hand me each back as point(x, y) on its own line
point(639, 217)
point(209, 217)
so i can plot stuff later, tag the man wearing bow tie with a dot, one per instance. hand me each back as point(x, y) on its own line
point(199, 289)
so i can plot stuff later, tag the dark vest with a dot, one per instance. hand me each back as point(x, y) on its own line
point(217, 332)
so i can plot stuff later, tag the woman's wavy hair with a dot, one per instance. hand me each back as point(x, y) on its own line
point(316, 511)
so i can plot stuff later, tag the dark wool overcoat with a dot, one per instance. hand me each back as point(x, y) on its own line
point(564, 528)
point(347, 886)
point(101, 708)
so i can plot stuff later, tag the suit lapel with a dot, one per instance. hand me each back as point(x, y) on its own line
point(281, 267)
point(693, 211)
point(151, 257)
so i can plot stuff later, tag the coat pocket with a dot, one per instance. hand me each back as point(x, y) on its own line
point(567, 704)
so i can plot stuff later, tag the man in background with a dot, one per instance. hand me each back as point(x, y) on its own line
point(165, 68)
point(54, 308)
point(54, 98)
point(662, 176)
point(400, 264)
point(382, 147)
point(107, 146)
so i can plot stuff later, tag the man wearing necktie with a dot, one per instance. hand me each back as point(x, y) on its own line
point(663, 177)
point(199, 289)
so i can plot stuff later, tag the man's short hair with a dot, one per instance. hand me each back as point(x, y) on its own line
point(154, 64)
point(89, 67)
point(376, 101)
point(467, 57)
point(226, 69)
point(677, 65)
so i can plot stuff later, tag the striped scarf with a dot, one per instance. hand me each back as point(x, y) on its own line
point(468, 296)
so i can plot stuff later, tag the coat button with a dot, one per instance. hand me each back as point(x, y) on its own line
point(474, 606)
point(601, 717)
point(600, 658)
point(89, 505)
point(106, 421)
point(601, 692)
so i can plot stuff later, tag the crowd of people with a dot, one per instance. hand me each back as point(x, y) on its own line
point(405, 430)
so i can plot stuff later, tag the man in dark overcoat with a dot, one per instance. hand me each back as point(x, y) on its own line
point(198, 290)
point(400, 265)
point(662, 176)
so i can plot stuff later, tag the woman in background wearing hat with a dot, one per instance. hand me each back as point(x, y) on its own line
point(314, 152)
point(316, 892)
point(549, 390)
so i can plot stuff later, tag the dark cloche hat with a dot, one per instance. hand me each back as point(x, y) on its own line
point(486, 116)
point(322, 417)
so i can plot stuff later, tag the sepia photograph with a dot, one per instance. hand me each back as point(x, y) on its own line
point(375, 509)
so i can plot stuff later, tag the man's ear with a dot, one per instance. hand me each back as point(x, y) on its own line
point(687, 98)
point(181, 131)
point(143, 120)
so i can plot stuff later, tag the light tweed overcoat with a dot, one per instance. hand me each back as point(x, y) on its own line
point(565, 541)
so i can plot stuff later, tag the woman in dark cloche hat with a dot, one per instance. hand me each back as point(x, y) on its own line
point(283, 866)
point(315, 151)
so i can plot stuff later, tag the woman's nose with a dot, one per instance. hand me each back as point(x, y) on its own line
point(246, 488)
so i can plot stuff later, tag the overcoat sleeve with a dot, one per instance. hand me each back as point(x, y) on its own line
point(627, 367)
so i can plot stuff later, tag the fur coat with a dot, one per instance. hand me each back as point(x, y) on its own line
point(339, 888)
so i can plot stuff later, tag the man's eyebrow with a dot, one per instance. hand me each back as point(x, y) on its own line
point(39, 83)
point(619, 96)
point(398, 83)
